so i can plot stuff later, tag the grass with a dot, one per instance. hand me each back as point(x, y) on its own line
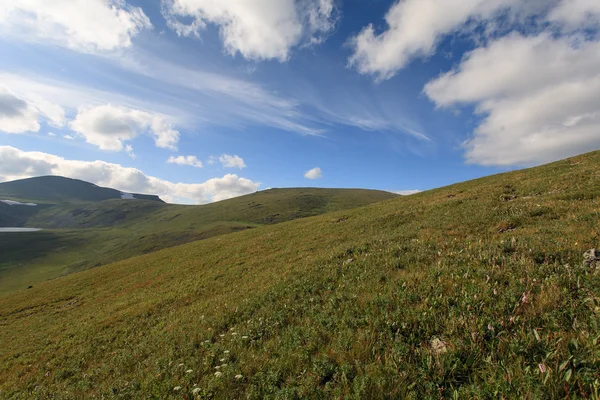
point(82, 235)
point(476, 290)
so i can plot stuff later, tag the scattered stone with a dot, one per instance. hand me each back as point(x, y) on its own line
point(591, 259)
point(439, 346)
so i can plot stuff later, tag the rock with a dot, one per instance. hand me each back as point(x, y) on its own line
point(591, 259)
point(438, 346)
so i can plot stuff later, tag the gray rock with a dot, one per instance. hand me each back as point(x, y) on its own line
point(591, 259)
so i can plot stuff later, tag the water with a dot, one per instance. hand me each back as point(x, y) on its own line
point(19, 230)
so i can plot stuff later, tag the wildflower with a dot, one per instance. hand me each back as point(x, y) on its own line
point(180, 365)
point(524, 299)
point(238, 377)
point(218, 374)
point(177, 388)
point(196, 391)
point(222, 359)
point(223, 365)
point(222, 335)
point(244, 337)
point(207, 341)
point(490, 327)
point(234, 333)
point(189, 371)
point(542, 368)
point(226, 352)
point(218, 367)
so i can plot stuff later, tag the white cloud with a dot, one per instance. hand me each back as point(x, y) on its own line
point(257, 29)
point(69, 137)
point(406, 192)
point(108, 126)
point(314, 173)
point(229, 161)
point(51, 134)
point(129, 151)
point(538, 96)
point(415, 27)
point(82, 25)
point(185, 160)
point(575, 13)
point(17, 164)
point(20, 114)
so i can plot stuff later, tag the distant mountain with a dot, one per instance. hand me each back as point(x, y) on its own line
point(61, 189)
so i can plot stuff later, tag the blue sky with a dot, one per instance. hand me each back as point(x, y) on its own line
point(247, 95)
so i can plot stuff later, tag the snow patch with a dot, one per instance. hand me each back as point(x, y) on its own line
point(127, 196)
point(17, 203)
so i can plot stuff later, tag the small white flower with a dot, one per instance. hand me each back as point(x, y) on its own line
point(196, 391)
point(218, 367)
point(189, 371)
point(177, 388)
point(222, 359)
point(224, 365)
point(238, 377)
point(234, 333)
point(244, 337)
point(218, 374)
point(222, 335)
point(180, 365)
point(226, 352)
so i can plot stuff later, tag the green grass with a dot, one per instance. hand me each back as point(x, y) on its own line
point(475, 290)
point(89, 234)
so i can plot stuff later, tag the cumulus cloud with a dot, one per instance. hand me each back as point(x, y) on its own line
point(539, 98)
point(574, 13)
point(229, 161)
point(314, 173)
point(108, 127)
point(18, 164)
point(185, 160)
point(82, 25)
point(257, 29)
point(415, 27)
point(19, 114)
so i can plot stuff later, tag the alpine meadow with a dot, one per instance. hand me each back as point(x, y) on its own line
point(476, 290)
point(300, 199)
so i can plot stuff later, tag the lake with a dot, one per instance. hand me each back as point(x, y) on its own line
point(19, 230)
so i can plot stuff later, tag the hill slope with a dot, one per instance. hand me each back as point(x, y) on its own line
point(119, 229)
point(475, 290)
point(61, 189)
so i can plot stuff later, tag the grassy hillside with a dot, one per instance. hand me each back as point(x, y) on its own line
point(476, 290)
point(60, 189)
point(91, 234)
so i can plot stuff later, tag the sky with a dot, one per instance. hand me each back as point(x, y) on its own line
point(203, 100)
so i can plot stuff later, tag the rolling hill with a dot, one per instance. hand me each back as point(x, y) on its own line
point(61, 189)
point(81, 234)
point(475, 290)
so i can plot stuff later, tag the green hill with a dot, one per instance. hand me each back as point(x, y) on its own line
point(81, 235)
point(60, 189)
point(476, 290)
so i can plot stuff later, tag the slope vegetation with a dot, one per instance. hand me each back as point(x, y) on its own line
point(90, 234)
point(475, 290)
